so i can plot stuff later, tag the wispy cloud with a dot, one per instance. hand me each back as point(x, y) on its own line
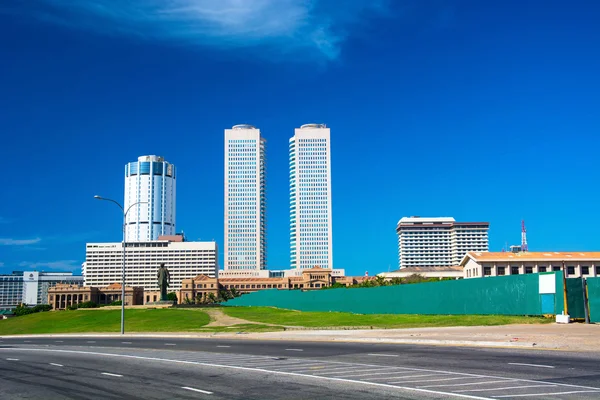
point(283, 26)
point(1, 264)
point(18, 242)
point(62, 265)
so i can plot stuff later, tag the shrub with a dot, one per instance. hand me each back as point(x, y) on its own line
point(24, 310)
point(87, 304)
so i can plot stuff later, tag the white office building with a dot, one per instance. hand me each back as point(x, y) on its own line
point(31, 287)
point(150, 180)
point(104, 262)
point(310, 198)
point(245, 201)
point(439, 241)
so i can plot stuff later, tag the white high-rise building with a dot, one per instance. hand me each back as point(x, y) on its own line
point(151, 180)
point(310, 198)
point(245, 200)
point(439, 241)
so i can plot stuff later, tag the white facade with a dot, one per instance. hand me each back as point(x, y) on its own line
point(245, 200)
point(104, 262)
point(150, 180)
point(36, 284)
point(439, 241)
point(310, 198)
point(11, 290)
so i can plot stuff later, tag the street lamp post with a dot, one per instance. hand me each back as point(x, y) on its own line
point(123, 275)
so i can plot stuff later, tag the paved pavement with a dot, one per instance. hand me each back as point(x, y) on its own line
point(287, 369)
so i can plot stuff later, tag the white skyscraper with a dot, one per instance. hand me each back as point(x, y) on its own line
point(152, 180)
point(245, 202)
point(310, 198)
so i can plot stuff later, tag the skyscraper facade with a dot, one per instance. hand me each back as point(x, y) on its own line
point(439, 241)
point(310, 197)
point(245, 200)
point(150, 180)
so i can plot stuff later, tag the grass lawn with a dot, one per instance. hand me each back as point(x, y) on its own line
point(144, 320)
point(278, 316)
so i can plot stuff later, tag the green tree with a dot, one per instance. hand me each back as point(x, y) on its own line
point(172, 296)
point(234, 292)
point(211, 298)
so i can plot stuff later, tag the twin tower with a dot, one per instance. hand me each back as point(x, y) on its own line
point(152, 180)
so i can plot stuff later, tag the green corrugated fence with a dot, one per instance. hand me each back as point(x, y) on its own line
point(531, 294)
point(593, 286)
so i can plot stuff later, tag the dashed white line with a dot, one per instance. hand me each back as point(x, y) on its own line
point(57, 365)
point(126, 342)
point(502, 388)
point(532, 365)
point(223, 346)
point(59, 341)
point(109, 374)
point(382, 355)
point(91, 341)
point(26, 341)
point(414, 376)
point(170, 344)
point(294, 350)
point(548, 394)
point(468, 384)
point(12, 359)
point(196, 390)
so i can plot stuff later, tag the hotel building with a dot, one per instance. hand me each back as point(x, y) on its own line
point(438, 242)
point(150, 180)
point(31, 287)
point(310, 198)
point(245, 250)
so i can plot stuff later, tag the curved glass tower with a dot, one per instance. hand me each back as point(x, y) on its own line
point(152, 180)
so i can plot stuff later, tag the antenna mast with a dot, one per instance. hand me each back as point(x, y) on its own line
point(523, 237)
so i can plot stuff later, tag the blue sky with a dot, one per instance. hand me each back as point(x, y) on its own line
point(484, 111)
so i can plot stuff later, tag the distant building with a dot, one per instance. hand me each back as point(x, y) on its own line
point(31, 287)
point(104, 262)
point(62, 296)
point(310, 198)
point(577, 264)
point(150, 180)
point(11, 290)
point(455, 272)
point(245, 200)
point(437, 242)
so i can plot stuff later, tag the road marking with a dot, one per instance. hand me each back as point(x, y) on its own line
point(411, 389)
point(374, 373)
point(294, 350)
point(467, 384)
point(549, 394)
point(57, 365)
point(503, 388)
point(59, 341)
point(12, 359)
point(91, 341)
point(26, 341)
point(382, 355)
point(532, 365)
point(170, 344)
point(414, 376)
point(223, 346)
point(109, 374)
point(437, 380)
point(126, 342)
point(196, 390)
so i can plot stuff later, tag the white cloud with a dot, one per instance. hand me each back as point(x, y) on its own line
point(1, 264)
point(18, 242)
point(62, 265)
point(283, 26)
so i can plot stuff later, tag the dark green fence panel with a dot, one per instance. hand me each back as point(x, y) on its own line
point(593, 286)
point(505, 295)
point(575, 298)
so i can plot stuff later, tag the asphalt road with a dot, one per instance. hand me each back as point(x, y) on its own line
point(148, 368)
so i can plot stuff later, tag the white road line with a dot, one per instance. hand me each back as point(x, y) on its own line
point(411, 389)
point(109, 374)
point(443, 379)
point(372, 373)
point(382, 355)
point(532, 365)
point(413, 376)
point(223, 346)
point(170, 344)
point(467, 384)
point(12, 359)
point(294, 350)
point(549, 394)
point(59, 341)
point(502, 388)
point(91, 341)
point(26, 341)
point(126, 342)
point(57, 365)
point(196, 390)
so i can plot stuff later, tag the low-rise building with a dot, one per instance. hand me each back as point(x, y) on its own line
point(104, 262)
point(455, 272)
point(576, 263)
point(62, 296)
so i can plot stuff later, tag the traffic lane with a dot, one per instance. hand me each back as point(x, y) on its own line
point(26, 374)
point(466, 359)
